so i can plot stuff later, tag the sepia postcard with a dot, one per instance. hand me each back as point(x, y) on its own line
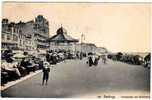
point(75, 50)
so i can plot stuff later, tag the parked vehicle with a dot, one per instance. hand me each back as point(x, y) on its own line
point(147, 61)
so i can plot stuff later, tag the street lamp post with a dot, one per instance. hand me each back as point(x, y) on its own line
point(82, 38)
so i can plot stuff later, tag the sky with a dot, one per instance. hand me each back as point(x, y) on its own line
point(118, 27)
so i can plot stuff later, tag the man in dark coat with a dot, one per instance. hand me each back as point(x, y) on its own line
point(46, 71)
point(90, 61)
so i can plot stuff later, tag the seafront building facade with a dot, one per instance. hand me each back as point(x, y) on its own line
point(34, 36)
point(9, 37)
point(31, 35)
point(86, 47)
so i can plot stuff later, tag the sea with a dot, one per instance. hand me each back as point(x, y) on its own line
point(142, 54)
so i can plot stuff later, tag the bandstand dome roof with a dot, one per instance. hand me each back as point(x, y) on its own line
point(61, 30)
point(62, 36)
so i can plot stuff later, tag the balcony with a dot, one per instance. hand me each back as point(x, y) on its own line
point(9, 41)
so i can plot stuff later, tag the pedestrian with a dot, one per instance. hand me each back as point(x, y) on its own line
point(96, 61)
point(104, 59)
point(46, 71)
point(90, 61)
point(47, 57)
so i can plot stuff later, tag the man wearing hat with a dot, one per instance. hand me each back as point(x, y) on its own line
point(46, 71)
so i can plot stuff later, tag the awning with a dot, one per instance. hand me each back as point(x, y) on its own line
point(18, 55)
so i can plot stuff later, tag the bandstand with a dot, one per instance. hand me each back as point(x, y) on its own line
point(62, 41)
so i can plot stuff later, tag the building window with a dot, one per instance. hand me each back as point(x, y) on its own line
point(14, 37)
point(20, 42)
point(3, 36)
point(8, 37)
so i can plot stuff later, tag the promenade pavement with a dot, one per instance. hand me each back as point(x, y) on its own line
point(75, 79)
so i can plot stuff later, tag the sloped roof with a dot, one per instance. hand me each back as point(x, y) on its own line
point(62, 36)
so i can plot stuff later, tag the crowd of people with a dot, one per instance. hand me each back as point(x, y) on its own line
point(132, 59)
point(15, 68)
point(94, 59)
point(55, 56)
